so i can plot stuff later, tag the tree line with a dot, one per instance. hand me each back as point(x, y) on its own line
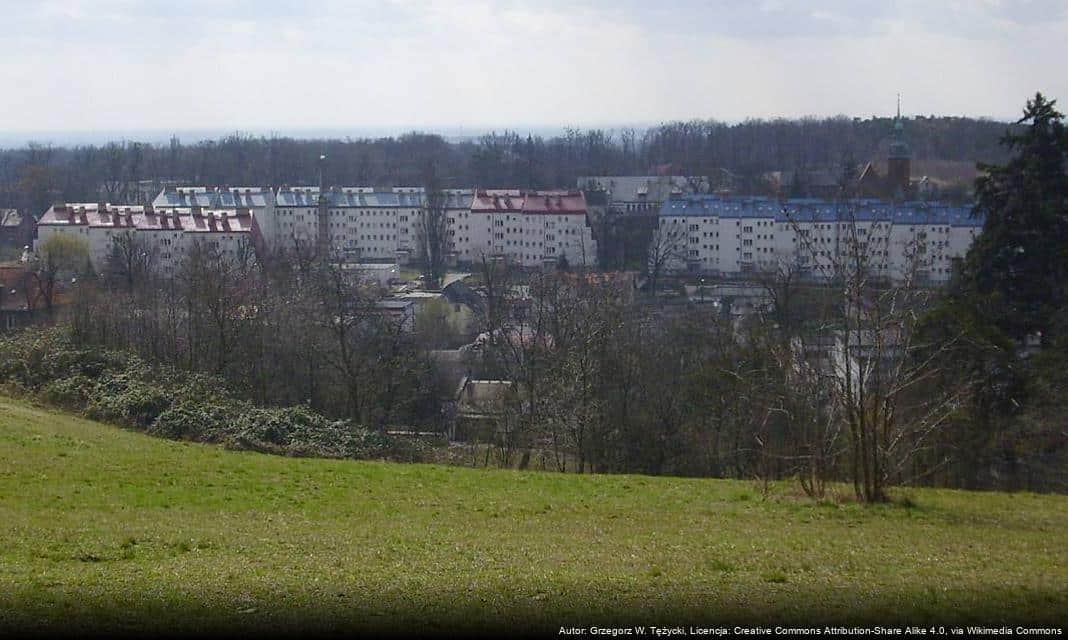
point(34, 176)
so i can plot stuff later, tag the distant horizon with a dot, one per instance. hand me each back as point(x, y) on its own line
point(14, 138)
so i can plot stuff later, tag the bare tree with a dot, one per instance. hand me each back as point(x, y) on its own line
point(130, 259)
point(865, 352)
point(433, 229)
point(667, 247)
point(58, 256)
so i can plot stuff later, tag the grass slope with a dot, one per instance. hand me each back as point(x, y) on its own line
point(105, 529)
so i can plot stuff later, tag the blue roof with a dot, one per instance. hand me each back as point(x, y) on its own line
point(815, 210)
point(346, 197)
point(220, 198)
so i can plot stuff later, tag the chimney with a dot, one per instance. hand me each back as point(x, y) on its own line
point(129, 219)
point(225, 223)
point(211, 221)
point(116, 219)
point(195, 210)
point(177, 220)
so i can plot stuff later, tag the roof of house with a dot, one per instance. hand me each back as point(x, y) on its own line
point(10, 218)
point(338, 197)
point(637, 188)
point(139, 217)
point(562, 202)
point(215, 197)
point(815, 210)
point(395, 304)
point(481, 397)
point(456, 292)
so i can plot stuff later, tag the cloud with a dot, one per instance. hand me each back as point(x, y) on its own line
point(260, 65)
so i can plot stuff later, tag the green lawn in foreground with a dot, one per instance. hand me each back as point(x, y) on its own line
point(102, 528)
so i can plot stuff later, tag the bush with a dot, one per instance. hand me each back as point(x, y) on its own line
point(129, 402)
point(298, 431)
point(188, 420)
point(72, 393)
point(119, 387)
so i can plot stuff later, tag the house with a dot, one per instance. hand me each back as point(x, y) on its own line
point(478, 409)
point(22, 301)
point(400, 312)
point(735, 300)
point(849, 358)
point(466, 306)
point(16, 230)
point(379, 274)
point(638, 194)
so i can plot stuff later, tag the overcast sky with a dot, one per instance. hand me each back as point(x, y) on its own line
point(277, 65)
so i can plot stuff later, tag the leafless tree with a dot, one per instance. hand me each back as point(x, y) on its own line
point(666, 249)
point(433, 229)
point(131, 259)
point(59, 256)
point(864, 355)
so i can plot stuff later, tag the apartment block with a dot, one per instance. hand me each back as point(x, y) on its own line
point(164, 235)
point(728, 236)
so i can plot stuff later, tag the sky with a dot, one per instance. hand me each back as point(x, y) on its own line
point(280, 65)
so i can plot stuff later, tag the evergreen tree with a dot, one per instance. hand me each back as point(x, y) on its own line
point(1017, 269)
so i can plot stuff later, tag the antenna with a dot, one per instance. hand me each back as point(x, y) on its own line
point(899, 105)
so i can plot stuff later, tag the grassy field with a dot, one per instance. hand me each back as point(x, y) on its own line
point(107, 530)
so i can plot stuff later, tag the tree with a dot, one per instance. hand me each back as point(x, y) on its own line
point(58, 256)
point(130, 259)
point(877, 367)
point(433, 229)
point(1018, 266)
point(666, 248)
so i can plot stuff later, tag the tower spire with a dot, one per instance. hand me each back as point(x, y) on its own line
point(899, 167)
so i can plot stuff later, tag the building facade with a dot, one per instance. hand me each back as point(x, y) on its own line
point(735, 236)
point(165, 236)
point(640, 194)
point(527, 228)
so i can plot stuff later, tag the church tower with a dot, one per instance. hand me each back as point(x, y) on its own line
point(899, 160)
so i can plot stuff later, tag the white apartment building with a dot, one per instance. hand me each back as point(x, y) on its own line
point(164, 234)
point(368, 224)
point(365, 223)
point(640, 194)
point(709, 234)
point(528, 228)
point(384, 225)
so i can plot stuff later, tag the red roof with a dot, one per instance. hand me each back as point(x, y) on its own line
point(147, 218)
point(529, 202)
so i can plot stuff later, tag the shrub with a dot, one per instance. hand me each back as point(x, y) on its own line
point(189, 420)
point(124, 401)
point(119, 387)
point(73, 393)
point(297, 431)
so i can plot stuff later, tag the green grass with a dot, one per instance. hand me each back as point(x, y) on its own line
point(110, 530)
